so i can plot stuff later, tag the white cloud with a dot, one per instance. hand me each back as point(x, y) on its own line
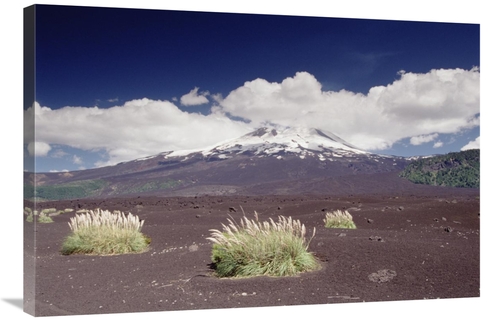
point(474, 144)
point(422, 139)
point(77, 160)
point(58, 153)
point(417, 106)
point(193, 98)
point(438, 144)
point(443, 101)
point(58, 171)
point(137, 129)
point(38, 149)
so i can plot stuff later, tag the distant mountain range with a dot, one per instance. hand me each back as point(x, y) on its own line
point(265, 161)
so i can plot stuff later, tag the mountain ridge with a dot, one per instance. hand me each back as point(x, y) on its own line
point(265, 160)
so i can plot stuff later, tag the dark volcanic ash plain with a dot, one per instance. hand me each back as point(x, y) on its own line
point(410, 244)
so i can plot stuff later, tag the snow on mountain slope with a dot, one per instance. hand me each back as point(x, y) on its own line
point(304, 142)
point(293, 140)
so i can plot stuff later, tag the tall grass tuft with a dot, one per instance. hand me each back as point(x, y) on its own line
point(47, 211)
point(101, 232)
point(44, 218)
point(339, 219)
point(255, 248)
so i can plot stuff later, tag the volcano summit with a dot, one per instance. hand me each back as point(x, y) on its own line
point(301, 142)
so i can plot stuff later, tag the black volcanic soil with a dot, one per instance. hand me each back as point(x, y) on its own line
point(409, 246)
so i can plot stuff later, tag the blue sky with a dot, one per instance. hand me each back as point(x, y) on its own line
point(118, 84)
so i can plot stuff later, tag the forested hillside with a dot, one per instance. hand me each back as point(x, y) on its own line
point(454, 169)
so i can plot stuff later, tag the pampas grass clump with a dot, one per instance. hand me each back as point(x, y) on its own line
point(29, 213)
point(40, 218)
point(339, 219)
point(255, 248)
point(44, 218)
point(101, 232)
point(47, 211)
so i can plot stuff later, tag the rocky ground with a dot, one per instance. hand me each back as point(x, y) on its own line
point(409, 246)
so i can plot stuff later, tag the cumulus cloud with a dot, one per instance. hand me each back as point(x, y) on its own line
point(474, 144)
point(422, 139)
point(136, 129)
point(38, 149)
point(419, 107)
point(442, 101)
point(193, 98)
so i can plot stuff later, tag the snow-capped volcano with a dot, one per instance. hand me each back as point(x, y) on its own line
point(265, 161)
point(265, 141)
point(269, 141)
